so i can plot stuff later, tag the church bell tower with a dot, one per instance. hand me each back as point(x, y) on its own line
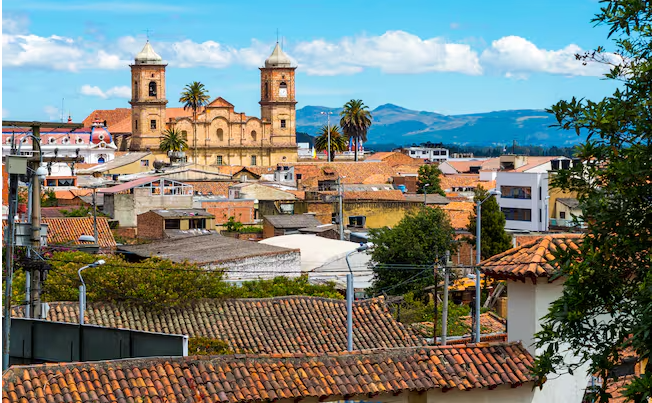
point(147, 100)
point(277, 96)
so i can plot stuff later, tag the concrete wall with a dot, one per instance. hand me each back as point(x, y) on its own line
point(266, 266)
point(126, 207)
point(538, 182)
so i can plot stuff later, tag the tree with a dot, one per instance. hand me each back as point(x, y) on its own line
point(404, 257)
point(338, 142)
point(492, 229)
point(355, 121)
point(193, 97)
point(606, 305)
point(173, 140)
point(430, 175)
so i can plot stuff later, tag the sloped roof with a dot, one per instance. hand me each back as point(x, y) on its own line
point(292, 324)
point(68, 230)
point(117, 162)
point(263, 378)
point(292, 220)
point(532, 260)
point(118, 120)
point(220, 102)
point(569, 202)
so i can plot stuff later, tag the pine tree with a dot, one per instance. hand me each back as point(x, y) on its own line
point(492, 230)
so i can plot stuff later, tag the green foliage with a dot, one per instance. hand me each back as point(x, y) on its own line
point(355, 120)
point(154, 282)
point(414, 310)
point(82, 211)
point(49, 199)
point(251, 230)
point(207, 346)
point(607, 299)
point(194, 96)
point(420, 239)
point(429, 175)
point(172, 140)
point(232, 225)
point(338, 141)
point(494, 238)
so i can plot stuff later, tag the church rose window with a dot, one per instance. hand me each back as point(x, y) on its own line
point(152, 89)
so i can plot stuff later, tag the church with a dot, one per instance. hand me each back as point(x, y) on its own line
point(224, 136)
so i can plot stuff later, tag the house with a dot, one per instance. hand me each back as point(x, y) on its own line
point(68, 230)
point(395, 159)
point(432, 154)
point(565, 209)
point(285, 224)
point(456, 166)
point(241, 260)
point(241, 210)
point(123, 164)
point(170, 223)
point(279, 325)
point(126, 201)
point(531, 287)
point(475, 373)
point(324, 259)
point(523, 184)
point(256, 191)
point(330, 231)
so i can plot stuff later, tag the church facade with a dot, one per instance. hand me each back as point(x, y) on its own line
point(223, 136)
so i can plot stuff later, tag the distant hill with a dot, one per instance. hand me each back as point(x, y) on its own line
point(395, 125)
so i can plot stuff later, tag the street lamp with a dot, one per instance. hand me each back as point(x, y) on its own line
point(82, 290)
point(349, 298)
point(328, 128)
point(425, 194)
point(478, 240)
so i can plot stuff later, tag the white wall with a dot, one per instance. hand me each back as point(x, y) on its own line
point(265, 266)
point(447, 169)
point(538, 182)
point(521, 317)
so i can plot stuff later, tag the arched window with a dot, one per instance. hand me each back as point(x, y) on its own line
point(220, 134)
point(135, 89)
point(152, 88)
point(283, 90)
point(266, 90)
point(100, 159)
point(253, 135)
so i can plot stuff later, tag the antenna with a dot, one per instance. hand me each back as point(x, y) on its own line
point(147, 33)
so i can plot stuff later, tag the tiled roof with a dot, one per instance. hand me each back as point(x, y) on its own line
point(256, 378)
point(617, 387)
point(448, 182)
point(291, 324)
point(212, 188)
point(532, 260)
point(395, 159)
point(533, 162)
point(352, 172)
point(459, 213)
point(375, 195)
point(68, 230)
point(54, 212)
point(70, 194)
point(117, 120)
point(292, 220)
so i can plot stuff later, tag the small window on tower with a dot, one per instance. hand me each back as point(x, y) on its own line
point(219, 161)
point(152, 89)
point(253, 160)
point(282, 123)
point(152, 124)
point(136, 123)
point(283, 90)
point(266, 90)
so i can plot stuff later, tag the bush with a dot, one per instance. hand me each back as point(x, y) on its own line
point(413, 310)
point(207, 346)
point(251, 230)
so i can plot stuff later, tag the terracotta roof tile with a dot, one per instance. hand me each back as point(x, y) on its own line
point(617, 387)
point(117, 120)
point(459, 213)
point(352, 172)
point(70, 194)
point(248, 378)
point(375, 195)
point(68, 230)
point(450, 182)
point(271, 325)
point(531, 260)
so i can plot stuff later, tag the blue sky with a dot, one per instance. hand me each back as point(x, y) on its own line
point(450, 57)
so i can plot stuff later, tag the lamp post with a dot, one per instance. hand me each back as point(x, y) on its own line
point(425, 194)
point(478, 240)
point(328, 128)
point(82, 290)
point(349, 299)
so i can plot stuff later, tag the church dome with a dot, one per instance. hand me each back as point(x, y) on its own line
point(278, 58)
point(148, 56)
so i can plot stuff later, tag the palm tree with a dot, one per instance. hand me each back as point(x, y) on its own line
point(173, 140)
point(193, 97)
point(355, 121)
point(338, 142)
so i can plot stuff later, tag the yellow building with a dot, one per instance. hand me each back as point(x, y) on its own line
point(224, 136)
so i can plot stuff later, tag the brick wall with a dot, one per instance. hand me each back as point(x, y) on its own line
point(125, 232)
point(242, 210)
point(150, 226)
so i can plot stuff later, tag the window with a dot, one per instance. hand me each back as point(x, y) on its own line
point(152, 124)
point(253, 135)
point(197, 223)
point(282, 123)
point(540, 192)
point(67, 182)
point(136, 122)
point(135, 89)
point(300, 175)
point(283, 90)
point(253, 160)
point(266, 90)
point(562, 215)
point(516, 192)
point(172, 224)
point(51, 182)
point(219, 160)
point(517, 214)
point(540, 216)
point(100, 160)
point(152, 89)
point(144, 163)
point(413, 152)
point(184, 134)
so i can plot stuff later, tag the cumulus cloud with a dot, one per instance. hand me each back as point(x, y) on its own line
point(53, 112)
point(114, 92)
point(516, 57)
point(394, 52)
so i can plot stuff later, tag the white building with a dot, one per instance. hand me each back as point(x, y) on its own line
point(436, 154)
point(523, 184)
point(93, 144)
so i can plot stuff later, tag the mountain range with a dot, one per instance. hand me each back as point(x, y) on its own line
point(397, 126)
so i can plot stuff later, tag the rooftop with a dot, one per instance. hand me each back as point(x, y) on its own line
point(569, 202)
point(291, 221)
point(532, 260)
point(258, 378)
point(278, 58)
point(66, 231)
point(182, 213)
point(292, 324)
point(117, 162)
point(204, 249)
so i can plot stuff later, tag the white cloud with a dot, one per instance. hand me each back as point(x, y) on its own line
point(394, 52)
point(516, 57)
point(5, 113)
point(114, 92)
point(53, 112)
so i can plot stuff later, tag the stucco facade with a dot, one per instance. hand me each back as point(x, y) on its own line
point(125, 207)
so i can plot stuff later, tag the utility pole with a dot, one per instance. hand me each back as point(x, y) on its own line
point(97, 240)
point(328, 128)
point(35, 277)
point(444, 308)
